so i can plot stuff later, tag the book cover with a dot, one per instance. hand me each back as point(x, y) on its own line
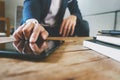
point(111, 32)
point(106, 49)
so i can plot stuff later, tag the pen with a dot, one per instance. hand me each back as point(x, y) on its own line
point(111, 32)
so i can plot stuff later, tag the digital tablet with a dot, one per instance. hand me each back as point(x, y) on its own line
point(29, 51)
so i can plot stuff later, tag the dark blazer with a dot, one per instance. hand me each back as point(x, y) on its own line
point(38, 9)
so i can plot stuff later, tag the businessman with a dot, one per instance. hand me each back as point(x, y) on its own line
point(43, 18)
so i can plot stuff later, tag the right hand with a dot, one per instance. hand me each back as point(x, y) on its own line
point(30, 31)
point(25, 47)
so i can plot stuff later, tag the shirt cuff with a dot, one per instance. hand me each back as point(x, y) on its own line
point(32, 20)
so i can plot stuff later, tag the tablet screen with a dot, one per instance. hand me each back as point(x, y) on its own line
point(29, 51)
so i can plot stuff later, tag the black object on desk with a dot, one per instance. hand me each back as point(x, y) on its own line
point(30, 51)
point(111, 32)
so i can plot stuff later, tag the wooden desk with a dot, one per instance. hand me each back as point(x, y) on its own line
point(70, 62)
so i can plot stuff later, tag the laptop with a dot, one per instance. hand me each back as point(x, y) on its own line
point(25, 50)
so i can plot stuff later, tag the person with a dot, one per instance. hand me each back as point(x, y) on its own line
point(43, 18)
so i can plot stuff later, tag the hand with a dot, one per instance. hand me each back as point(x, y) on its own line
point(25, 47)
point(30, 31)
point(68, 26)
point(37, 48)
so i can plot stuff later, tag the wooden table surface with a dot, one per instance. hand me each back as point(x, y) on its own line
point(71, 61)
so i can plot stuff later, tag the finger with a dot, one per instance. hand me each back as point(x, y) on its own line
point(36, 31)
point(69, 29)
point(38, 49)
point(15, 44)
point(18, 45)
point(33, 47)
point(73, 29)
point(62, 26)
point(27, 30)
point(18, 35)
point(65, 29)
point(44, 34)
point(27, 49)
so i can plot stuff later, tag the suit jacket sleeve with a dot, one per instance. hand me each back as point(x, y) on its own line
point(74, 9)
point(31, 10)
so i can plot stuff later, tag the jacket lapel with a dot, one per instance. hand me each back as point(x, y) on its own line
point(61, 10)
point(63, 6)
point(48, 3)
point(46, 6)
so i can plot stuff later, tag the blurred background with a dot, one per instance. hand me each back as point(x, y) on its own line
point(100, 14)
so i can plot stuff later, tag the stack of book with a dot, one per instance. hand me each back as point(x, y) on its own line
point(106, 43)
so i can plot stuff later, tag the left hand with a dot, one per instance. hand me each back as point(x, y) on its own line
point(68, 26)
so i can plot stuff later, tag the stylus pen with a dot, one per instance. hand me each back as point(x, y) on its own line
point(111, 32)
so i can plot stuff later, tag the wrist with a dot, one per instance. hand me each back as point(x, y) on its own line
point(74, 17)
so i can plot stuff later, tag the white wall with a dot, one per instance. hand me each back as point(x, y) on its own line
point(118, 21)
point(10, 8)
point(97, 6)
point(100, 22)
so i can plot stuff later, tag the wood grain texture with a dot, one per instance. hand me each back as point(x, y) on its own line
point(71, 61)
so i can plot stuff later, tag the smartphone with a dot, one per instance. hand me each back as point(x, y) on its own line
point(25, 50)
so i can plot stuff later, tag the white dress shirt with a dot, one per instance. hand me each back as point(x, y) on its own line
point(50, 18)
point(54, 8)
